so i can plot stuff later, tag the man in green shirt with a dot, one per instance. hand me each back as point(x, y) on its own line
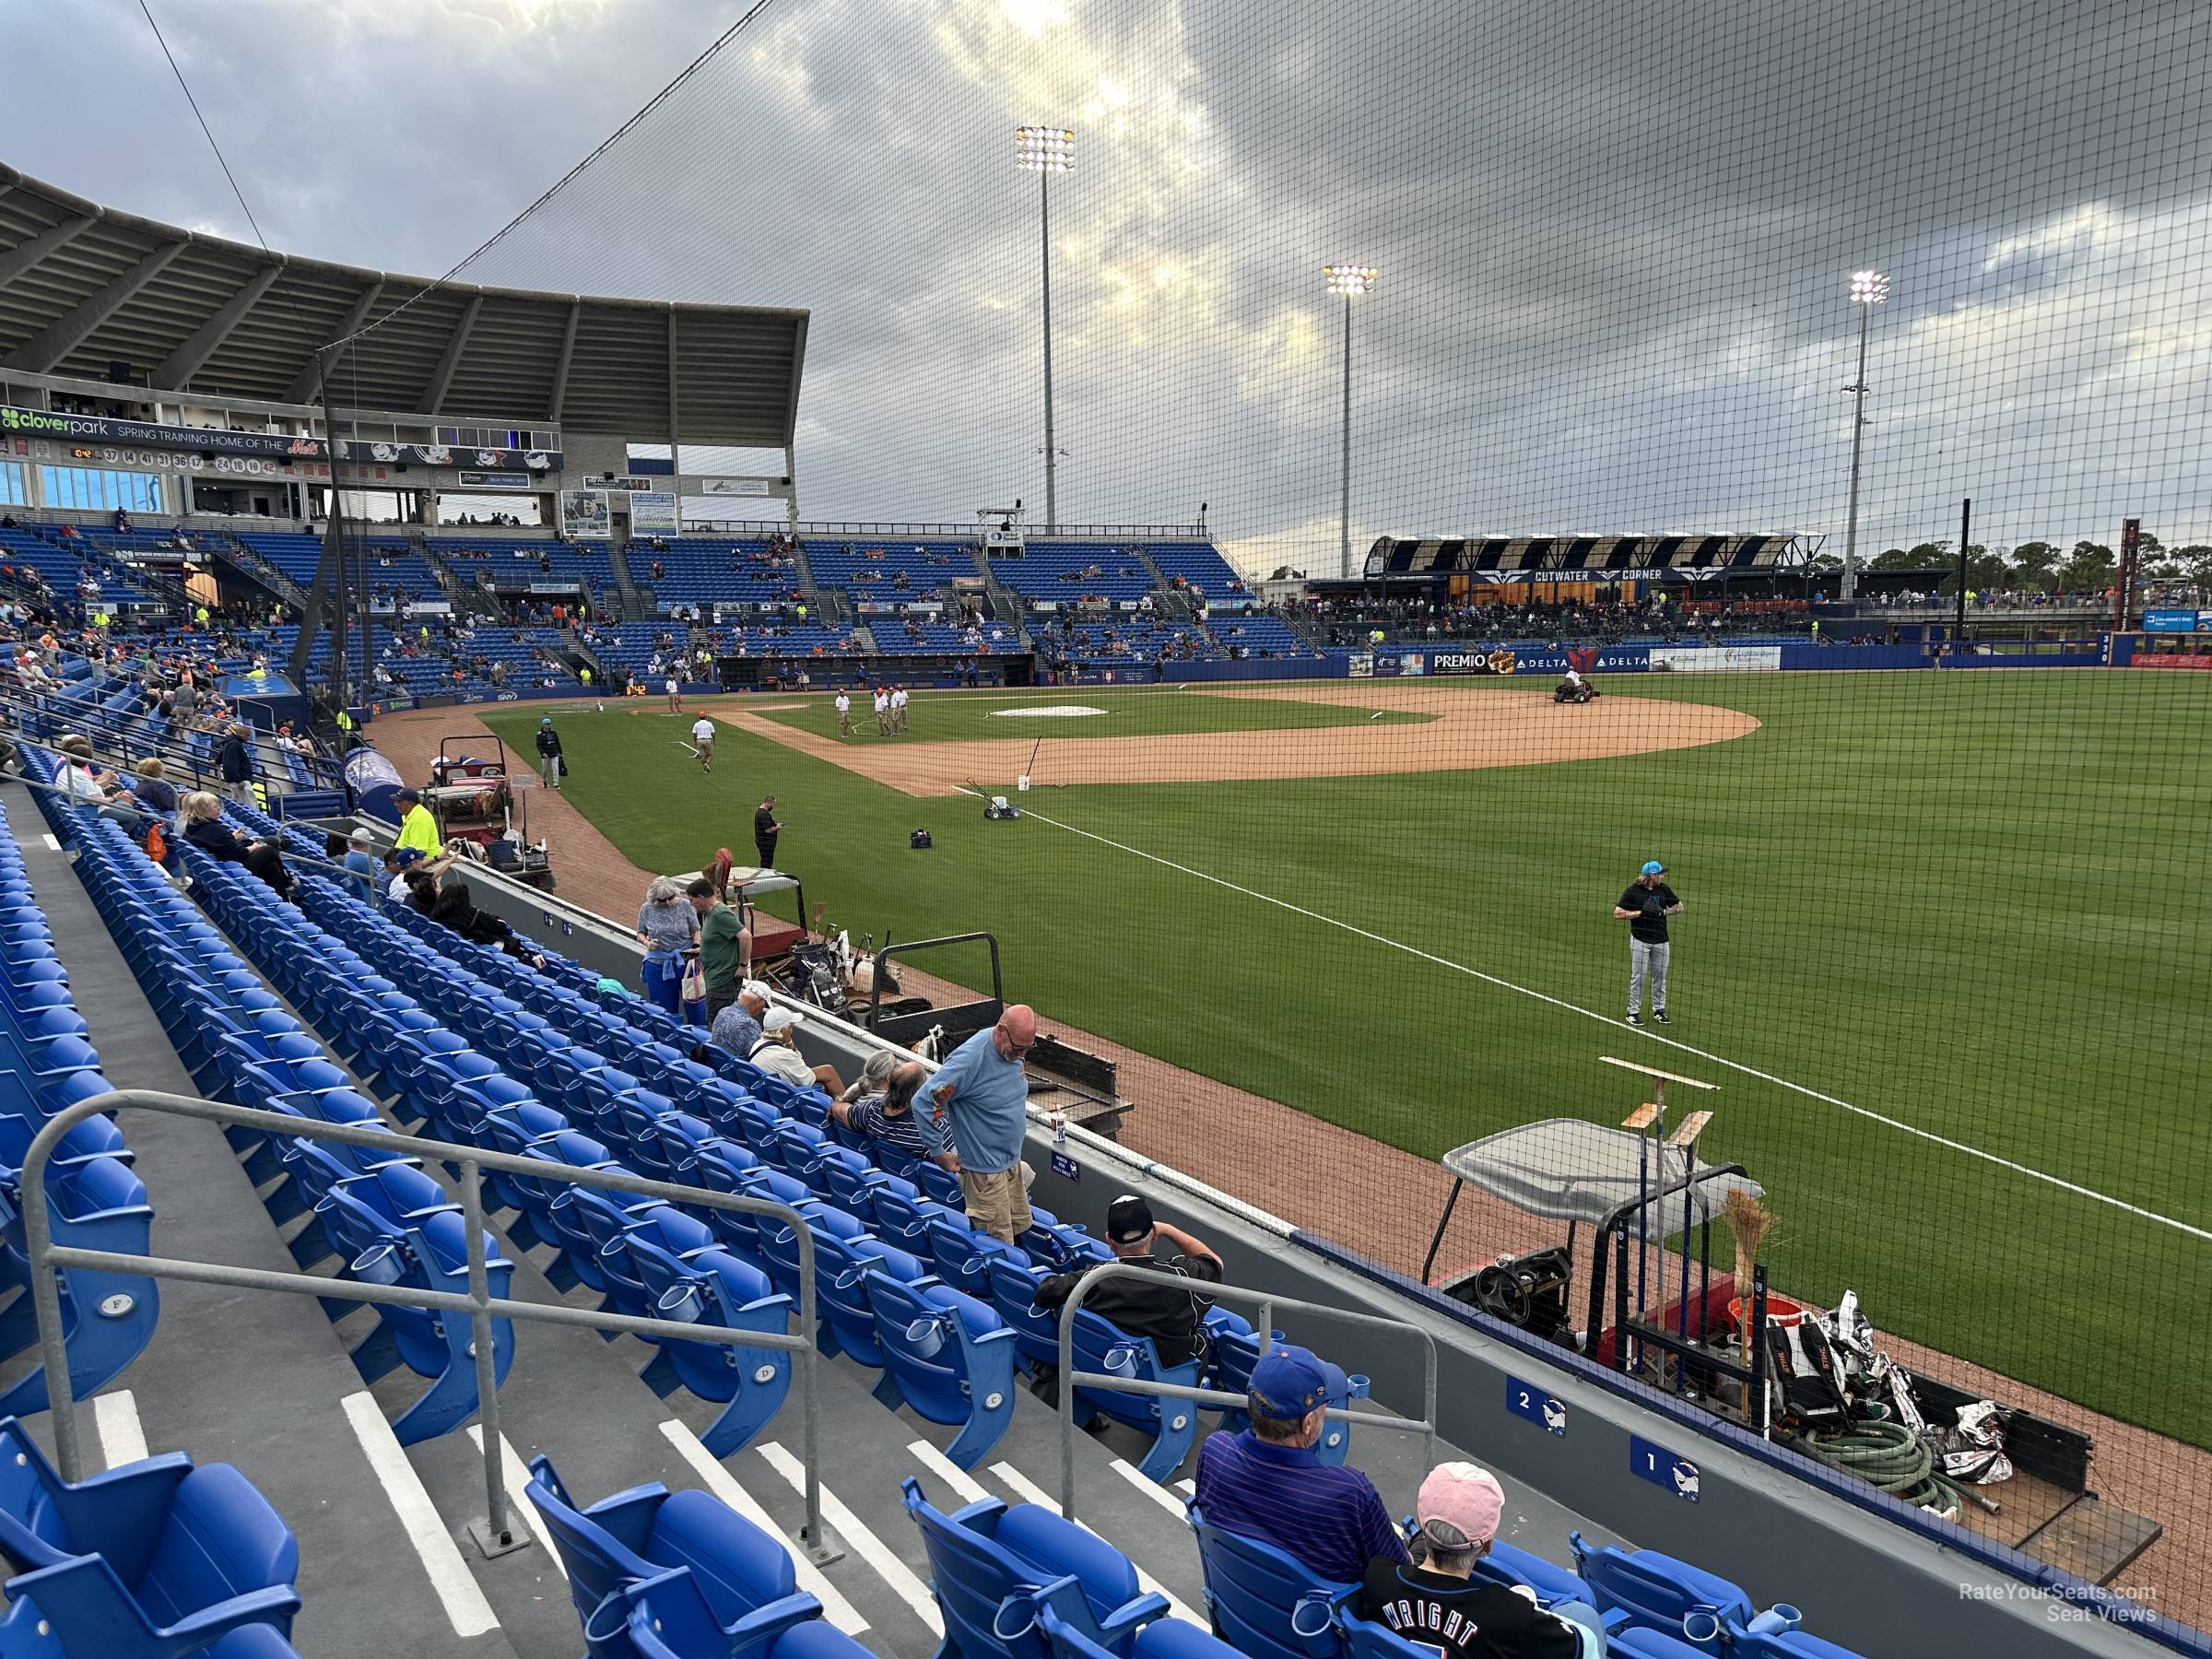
point(725, 947)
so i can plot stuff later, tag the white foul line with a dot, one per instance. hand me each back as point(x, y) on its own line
point(1029, 1492)
point(1504, 985)
point(515, 1475)
point(122, 1436)
point(867, 1546)
point(723, 1485)
point(464, 1605)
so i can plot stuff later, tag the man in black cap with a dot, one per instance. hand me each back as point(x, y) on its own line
point(1165, 1309)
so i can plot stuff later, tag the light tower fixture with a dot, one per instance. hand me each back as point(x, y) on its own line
point(1347, 282)
point(1868, 289)
point(1046, 151)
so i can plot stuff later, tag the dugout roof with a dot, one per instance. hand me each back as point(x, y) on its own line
point(83, 287)
point(1585, 556)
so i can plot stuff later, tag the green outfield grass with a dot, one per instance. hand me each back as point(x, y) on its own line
point(1127, 715)
point(1974, 903)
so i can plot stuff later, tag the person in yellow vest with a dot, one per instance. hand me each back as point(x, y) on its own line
point(417, 829)
point(100, 621)
point(200, 616)
point(585, 675)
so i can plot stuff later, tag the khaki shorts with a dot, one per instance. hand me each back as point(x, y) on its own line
point(998, 1201)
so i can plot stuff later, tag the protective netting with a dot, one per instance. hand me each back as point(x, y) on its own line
point(1942, 942)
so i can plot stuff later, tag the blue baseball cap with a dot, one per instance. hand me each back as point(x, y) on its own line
point(1289, 1382)
point(1653, 867)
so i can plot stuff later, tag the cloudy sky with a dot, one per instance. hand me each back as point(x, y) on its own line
point(1614, 237)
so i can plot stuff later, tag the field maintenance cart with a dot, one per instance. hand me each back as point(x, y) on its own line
point(1815, 1379)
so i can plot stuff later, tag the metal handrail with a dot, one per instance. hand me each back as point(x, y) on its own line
point(1268, 1302)
point(45, 1256)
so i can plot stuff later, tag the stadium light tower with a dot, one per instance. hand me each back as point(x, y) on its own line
point(1045, 151)
point(1350, 281)
point(1868, 289)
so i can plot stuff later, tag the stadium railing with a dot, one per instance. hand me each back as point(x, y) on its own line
point(478, 1304)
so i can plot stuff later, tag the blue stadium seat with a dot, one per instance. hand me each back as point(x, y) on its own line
point(1658, 1592)
point(742, 1578)
point(1261, 1599)
point(147, 1561)
point(993, 1569)
point(428, 1253)
point(669, 1619)
point(708, 1286)
point(1162, 1638)
point(1755, 1643)
point(948, 1356)
point(1173, 1424)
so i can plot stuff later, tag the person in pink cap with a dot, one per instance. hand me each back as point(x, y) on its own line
point(1435, 1601)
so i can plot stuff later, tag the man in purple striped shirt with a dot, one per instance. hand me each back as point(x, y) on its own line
point(1267, 1484)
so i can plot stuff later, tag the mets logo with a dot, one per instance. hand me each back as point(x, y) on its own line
point(1582, 661)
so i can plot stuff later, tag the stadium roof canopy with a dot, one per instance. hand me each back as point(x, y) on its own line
point(83, 288)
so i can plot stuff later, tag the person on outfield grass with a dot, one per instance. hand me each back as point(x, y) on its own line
point(984, 1092)
point(898, 711)
point(702, 743)
point(887, 1114)
point(1265, 1484)
point(1645, 908)
point(882, 711)
point(551, 762)
point(765, 831)
point(1167, 1307)
point(844, 716)
point(1436, 1605)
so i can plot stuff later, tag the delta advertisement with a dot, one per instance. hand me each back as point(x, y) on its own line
point(95, 428)
point(1609, 659)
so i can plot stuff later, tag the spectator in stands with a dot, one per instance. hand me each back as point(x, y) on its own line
point(82, 780)
point(150, 790)
point(890, 1117)
point(398, 863)
point(360, 864)
point(985, 1093)
point(1165, 1309)
point(1267, 1484)
point(668, 928)
point(446, 898)
point(725, 947)
point(204, 828)
point(234, 761)
point(737, 1027)
point(776, 1052)
point(417, 829)
point(1436, 1605)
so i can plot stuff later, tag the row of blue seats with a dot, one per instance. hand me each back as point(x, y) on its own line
point(95, 1200)
point(881, 1221)
point(905, 1286)
point(240, 1045)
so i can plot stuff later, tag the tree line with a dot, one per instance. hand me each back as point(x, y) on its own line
point(2040, 565)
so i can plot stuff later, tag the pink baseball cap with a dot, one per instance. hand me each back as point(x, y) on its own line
point(1459, 1506)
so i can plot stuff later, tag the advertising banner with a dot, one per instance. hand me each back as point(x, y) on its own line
point(2177, 621)
point(652, 509)
point(1715, 659)
point(1360, 664)
point(735, 486)
point(584, 515)
point(95, 428)
point(495, 480)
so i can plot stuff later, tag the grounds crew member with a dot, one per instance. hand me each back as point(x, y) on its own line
point(550, 761)
point(765, 831)
point(417, 829)
point(1646, 907)
point(844, 716)
point(702, 742)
